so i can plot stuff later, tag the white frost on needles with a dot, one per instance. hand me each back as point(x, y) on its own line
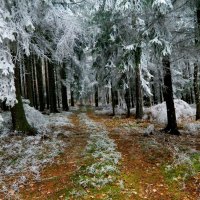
point(163, 6)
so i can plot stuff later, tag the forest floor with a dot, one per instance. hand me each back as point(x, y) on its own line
point(142, 167)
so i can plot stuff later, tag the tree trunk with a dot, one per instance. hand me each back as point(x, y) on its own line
point(46, 83)
point(72, 97)
point(57, 89)
point(65, 105)
point(34, 84)
point(96, 96)
point(19, 120)
point(138, 87)
point(3, 106)
point(128, 102)
point(107, 96)
point(113, 100)
point(168, 96)
point(52, 88)
point(29, 79)
point(22, 79)
point(40, 83)
point(132, 93)
point(116, 99)
point(196, 66)
point(196, 90)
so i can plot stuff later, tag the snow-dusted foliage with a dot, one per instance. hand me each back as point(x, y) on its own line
point(102, 150)
point(183, 111)
point(7, 87)
point(163, 6)
point(185, 164)
point(24, 27)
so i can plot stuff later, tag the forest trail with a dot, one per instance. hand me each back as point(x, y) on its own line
point(140, 176)
point(142, 162)
point(56, 178)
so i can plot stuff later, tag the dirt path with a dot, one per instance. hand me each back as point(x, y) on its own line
point(140, 167)
point(142, 164)
point(55, 179)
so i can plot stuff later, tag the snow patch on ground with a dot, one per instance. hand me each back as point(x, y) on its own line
point(74, 108)
point(27, 155)
point(60, 119)
point(35, 118)
point(192, 128)
point(107, 110)
point(183, 112)
point(6, 122)
point(158, 113)
point(1, 122)
point(42, 123)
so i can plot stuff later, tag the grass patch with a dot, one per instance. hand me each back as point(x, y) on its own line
point(177, 173)
point(195, 158)
point(183, 169)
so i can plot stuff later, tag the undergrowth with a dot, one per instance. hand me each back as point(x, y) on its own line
point(184, 166)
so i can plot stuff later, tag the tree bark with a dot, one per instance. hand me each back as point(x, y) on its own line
point(40, 84)
point(113, 100)
point(52, 88)
point(116, 99)
point(46, 83)
point(168, 96)
point(34, 84)
point(57, 88)
point(29, 79)
point(3, 106)
point(19, 120)
point(196, 90)
point(128, 102)
point(132, 92)
point(196, 66)
point(96, 96)
point(65, 105)
point(72, 97)
point(107, 96)
point(138, 87)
